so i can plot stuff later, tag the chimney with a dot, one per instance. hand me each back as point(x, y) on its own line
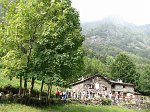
point(82, 78)
point(120, 81)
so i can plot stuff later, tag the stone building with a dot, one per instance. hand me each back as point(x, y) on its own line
point(99, 86)
point(122, 91)
point(94, 86)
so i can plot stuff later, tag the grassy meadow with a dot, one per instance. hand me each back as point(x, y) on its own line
point(65, 108)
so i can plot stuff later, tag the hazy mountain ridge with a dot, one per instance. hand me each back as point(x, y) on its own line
point(102, 36)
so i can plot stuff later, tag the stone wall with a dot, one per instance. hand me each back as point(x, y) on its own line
point(124, 88)
point(100, 87)
point(129, 88)
point(118, 86)
point(77, 88)
point(93, 87)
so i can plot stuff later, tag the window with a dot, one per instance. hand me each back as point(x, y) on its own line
point(104, 88)
point(97, 85)
point(124, 86)
point(91, 80)
point(113, 92)
point(91, 86)
point(113, 86)
point(100, 95)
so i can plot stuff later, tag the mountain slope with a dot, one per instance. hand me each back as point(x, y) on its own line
point(111, 37)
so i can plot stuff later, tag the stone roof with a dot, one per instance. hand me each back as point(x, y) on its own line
point(85, 79)
point(121, 83)
point(105, 78)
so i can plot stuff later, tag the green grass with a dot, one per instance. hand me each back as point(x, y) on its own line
point(5, 81)
point(65, 108)
point(15, 83)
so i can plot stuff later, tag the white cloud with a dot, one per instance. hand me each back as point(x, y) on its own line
point(134, 11)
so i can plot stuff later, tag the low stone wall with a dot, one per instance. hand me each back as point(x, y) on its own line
point(98, 101)
point(8, 97)
point(137, 107)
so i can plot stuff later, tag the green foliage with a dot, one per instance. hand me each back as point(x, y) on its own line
point(144, 81)
point(13, 64)
point(106, 101)
point(124, 69)
point(110, 36)
point(94, 66)
point(58, 51)
point(41, 40)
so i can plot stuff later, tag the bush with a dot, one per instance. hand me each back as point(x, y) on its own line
point(55, 101)
point(73, 101)
point(106, 101)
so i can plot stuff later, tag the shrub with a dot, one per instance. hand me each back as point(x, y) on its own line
point(56, 101)
point(73, 101)
point(106, 101)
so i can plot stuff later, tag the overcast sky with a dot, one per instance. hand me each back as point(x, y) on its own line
point(133, 11)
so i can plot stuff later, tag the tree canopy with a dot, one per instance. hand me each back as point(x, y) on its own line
point(41, 39)
point(125, 69)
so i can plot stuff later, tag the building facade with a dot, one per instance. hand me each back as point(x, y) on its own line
point(99, 86)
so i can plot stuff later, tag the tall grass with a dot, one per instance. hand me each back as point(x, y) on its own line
point(65, 108)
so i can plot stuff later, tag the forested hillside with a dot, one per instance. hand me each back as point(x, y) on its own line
point(105, 39)
point(113, 36)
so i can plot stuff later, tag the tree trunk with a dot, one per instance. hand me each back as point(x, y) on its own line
point(50, 91)
point(40, 95)
point(25, 87)
point(32, 86)
point(20, 88)
point(47, 98)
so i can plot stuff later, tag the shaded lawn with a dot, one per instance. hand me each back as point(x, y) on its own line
point(64, 108)
point(15, 83)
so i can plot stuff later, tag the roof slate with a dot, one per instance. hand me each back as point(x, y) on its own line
point(98, 75)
